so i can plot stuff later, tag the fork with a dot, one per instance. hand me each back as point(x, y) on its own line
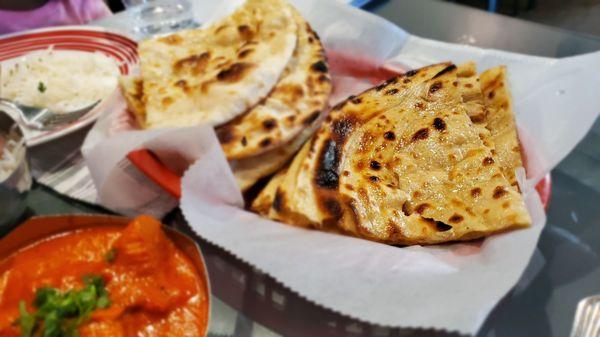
point(44, 118)
point(587, 318)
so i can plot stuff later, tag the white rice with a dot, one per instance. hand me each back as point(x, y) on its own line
point(59, 80)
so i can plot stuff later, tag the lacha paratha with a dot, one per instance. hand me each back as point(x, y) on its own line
point(296, 101)
point(298, 203)
point(404, 167)
point(501, 121)
point(433, 181)
point(210, 76)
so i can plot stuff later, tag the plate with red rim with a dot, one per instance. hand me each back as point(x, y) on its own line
point(117, 46)
point(349, 65)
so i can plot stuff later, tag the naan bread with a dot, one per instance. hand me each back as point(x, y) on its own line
point(132, 90)
point(247, 171)
point(501, 121)
point(297, 194)
point(296, 101)
point(210, 76)
point(401, 163)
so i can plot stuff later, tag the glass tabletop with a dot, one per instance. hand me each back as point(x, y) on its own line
point(565, 266)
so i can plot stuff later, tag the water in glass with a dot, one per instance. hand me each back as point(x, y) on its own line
point(157, 17)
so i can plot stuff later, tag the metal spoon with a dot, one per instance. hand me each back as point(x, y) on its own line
point(43, 118)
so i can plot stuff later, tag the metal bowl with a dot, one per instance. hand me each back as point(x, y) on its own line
point(15, 184)
point(38, 228)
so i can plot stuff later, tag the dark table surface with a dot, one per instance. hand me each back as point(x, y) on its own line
point(564, 269)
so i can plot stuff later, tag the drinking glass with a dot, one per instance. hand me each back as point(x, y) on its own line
point(159, 17)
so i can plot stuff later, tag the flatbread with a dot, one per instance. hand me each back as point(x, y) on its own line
point(248, 171)
point(132, 90)
point(433, 181)
point(210, 76)
point(468, 84)
point(501, 121)
point(297, 194)
point(401, 163)
point(296, 101)
point(263, 203)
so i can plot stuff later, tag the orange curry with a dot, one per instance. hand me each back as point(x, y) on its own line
point(153, 287)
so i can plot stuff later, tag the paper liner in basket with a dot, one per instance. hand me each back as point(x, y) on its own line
point(449, 287)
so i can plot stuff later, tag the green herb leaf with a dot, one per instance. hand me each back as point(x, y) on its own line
point(41, 87)
point(59, 314)
point(111, 255)
point(26, 321)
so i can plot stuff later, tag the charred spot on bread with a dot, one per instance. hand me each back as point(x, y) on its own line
point(435, 87)
point(476, 192)
point(391, 91)
point(243, 53)
point(421, 208)
point(448, 69)
point(439, 124)
point(327, 176)
point(411, 73)
point(389, 135)
point(245, 32)
point(375, 165)
point(421, 134)
point(499, 192)
point(269, 124)
point(194, 64)
point(456, 218)
point(278, 200)
point(319, 66)
point(234, 73)
point(265, 142)
point(487, 161)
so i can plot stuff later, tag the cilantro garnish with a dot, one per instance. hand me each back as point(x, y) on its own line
point(110, 255)
point(41, 87)
point(60, 313)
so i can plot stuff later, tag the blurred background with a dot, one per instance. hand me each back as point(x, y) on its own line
point(582, 16)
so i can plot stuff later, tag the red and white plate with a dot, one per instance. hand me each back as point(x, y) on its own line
point(74, 38)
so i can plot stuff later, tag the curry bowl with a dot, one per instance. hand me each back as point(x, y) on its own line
point(133, 274)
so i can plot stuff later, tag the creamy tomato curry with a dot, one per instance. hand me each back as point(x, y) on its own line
point(103, 281)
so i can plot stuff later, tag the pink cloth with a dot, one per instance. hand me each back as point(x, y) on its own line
point(53, 13)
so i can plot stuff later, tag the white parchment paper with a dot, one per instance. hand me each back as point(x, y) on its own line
point(451, 287)
point(121, 186)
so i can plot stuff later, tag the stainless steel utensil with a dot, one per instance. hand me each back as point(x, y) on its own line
point(587, 318)
point(43, 118)
point(15, 179)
